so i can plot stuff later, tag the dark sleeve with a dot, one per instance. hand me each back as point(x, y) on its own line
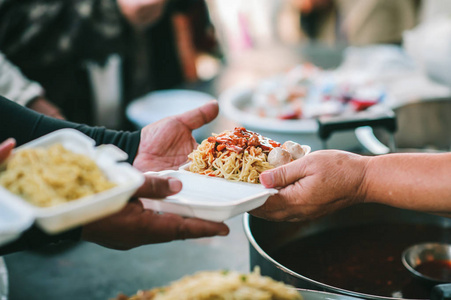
point(25, 125)
point(34, 238)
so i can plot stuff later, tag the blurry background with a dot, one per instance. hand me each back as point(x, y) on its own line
point(211, 47)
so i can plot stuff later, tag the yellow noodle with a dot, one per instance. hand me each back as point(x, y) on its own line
point(51, 176)
point(245, 166)
point(221, 285)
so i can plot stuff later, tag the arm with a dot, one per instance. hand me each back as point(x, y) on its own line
point(25, 125)
point(328, 180)
point(164, 144)
point(15, 86)
point(411, 181)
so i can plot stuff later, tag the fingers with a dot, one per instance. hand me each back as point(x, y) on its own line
point(196, 228)
point(271, 209)
point(135, 226)
point(158, 187)
point(200, 116)
point(169, 227)
point(6, 147)
point(284, 175)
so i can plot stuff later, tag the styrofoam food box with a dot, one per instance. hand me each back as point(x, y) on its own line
point(209, 198)
point(68, 215)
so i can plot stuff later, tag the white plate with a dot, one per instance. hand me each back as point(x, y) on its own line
point(234, 101)
point(209, 198)
point(164, 103)
point(303, 131)
point(77, 212)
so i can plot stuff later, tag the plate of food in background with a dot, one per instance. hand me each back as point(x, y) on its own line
point(286, 106)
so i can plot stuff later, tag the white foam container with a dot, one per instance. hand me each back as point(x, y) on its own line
point(14, 218)
point(209, 198)
point(16, 214)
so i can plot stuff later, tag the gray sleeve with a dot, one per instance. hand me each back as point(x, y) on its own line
point(15, 86)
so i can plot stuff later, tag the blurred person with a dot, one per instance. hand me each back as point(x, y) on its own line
point(15, 86)
point(366, 22)
point(358, 22)
point(63, 45)
point(51, 41)
point(328, 180)
point(317, 18)
point(159, 146)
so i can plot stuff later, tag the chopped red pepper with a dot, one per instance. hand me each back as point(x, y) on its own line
point(240, 139)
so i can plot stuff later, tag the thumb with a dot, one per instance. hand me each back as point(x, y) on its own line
point(200, 116)
point(158, 187)
point(284, 175)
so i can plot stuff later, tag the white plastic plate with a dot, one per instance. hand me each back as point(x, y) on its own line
point(65, 216)
point(160, 104)
point(209, 198)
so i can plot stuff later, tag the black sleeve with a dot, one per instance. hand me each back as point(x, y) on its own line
point(57, 31)
point(34, 238)
point(25, 125)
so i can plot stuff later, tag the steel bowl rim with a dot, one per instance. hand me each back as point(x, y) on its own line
point(410, 268)
point(266, 256)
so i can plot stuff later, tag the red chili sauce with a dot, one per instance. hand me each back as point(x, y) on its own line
point(436, 269)
point(240, 139)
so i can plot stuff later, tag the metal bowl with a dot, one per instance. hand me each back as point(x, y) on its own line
point(429, 261)
point(266, 238)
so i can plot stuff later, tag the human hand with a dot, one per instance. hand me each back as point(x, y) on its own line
point(43, 106)
point(315, 185)
point(135, 226)
point(142, 12)
point(166, 144)
point(5, 148)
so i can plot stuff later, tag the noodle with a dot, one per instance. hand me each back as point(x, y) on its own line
point(221, 285)
point(51, 176)
point(240, 155)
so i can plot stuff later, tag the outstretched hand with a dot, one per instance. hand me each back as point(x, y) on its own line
point(166, 144)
